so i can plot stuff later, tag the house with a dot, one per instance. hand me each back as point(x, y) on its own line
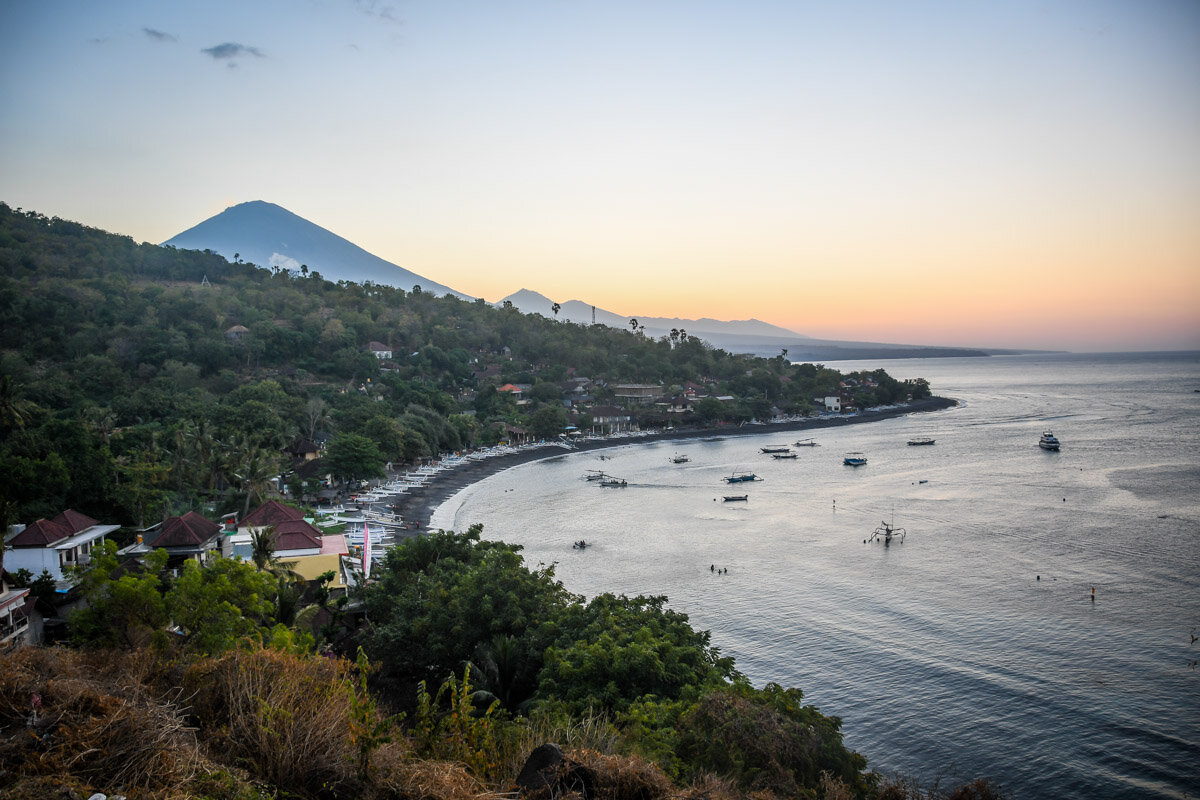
point(237, 334)
point(516, 435)
point(638, 392)
point(833, 403)
point(15, 607)
point(609, 419)
point(515, 389)
point(269, 515)
point(380, 350)
point(55, 544)
point(190, 536)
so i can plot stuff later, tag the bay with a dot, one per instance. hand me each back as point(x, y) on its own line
point(974, 648)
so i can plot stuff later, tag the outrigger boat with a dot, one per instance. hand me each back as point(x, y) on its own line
point(854, 459)
point(886, 533)
point(788, 454)
point(920, 440)
point(594, 475)
point(680, 459)
point(805, 443)
point(742, 477)
point(780, 449)
point(729, 498)
point(616, 482)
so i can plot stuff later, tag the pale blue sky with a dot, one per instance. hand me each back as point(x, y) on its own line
point(921, 171)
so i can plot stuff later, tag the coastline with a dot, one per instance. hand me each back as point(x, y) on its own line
point(418, 506)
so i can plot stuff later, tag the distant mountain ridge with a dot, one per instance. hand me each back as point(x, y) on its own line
point(751, 336)
point(530, 302)
point(268, 235)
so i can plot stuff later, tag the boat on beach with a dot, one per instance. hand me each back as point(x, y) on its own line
point(1049, 441)
point(854, 459)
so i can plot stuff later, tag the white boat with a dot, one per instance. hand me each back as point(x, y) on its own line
point(854, 459)
point(680, 459)
point(1048, 441)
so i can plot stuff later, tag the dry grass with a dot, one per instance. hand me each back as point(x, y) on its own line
point(624, 777)
point(282, 718)
point(77, 717)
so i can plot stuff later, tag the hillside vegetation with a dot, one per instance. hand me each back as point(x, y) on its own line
point(128, 392)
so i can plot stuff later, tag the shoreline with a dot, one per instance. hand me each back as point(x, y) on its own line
point(419, 505)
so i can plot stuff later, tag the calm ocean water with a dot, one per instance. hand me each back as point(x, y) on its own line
point(945, 656)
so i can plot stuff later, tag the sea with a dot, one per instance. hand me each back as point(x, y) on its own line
point(1037, 624)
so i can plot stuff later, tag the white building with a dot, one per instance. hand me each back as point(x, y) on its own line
point(53, 545)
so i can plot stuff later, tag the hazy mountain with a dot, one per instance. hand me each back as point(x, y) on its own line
point(271, 236)
point(737, 336)
point(531, 302)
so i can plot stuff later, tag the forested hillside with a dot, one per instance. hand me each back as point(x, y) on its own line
point(138, 380)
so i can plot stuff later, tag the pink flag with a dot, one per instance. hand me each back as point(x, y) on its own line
point(366, 552)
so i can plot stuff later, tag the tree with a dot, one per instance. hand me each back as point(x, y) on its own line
point(548, 421)
point(618, 650)
point(124, 608)
point(217, 604)
point(352, 457)
point(436, 599)
point(555, 308)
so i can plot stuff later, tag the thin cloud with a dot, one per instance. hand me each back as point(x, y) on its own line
point(231, 50)
point(381, 10)
point(159, 36)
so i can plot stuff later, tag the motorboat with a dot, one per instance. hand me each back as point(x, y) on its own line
point(780, 449)
point(1048, 441)
point(805, 443)
point(730, 498)
point(742, 477)
point(680, 459)
point(788, 454)
point(918, 441)
point(854, 459)
point(614, 482)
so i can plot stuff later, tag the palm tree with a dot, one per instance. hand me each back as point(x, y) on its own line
point(255, 467)
point(262, 547)
point(555, 308)
point(633, 324)
point(14, 409)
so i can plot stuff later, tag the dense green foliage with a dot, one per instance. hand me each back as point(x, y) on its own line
point(139, 380)
point(446, 600)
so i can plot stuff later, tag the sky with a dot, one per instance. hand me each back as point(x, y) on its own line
point(990, 174)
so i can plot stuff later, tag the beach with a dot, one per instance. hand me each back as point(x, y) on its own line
point(418, 505)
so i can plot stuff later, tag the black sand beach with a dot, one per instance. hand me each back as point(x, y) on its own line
point(418, 505)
